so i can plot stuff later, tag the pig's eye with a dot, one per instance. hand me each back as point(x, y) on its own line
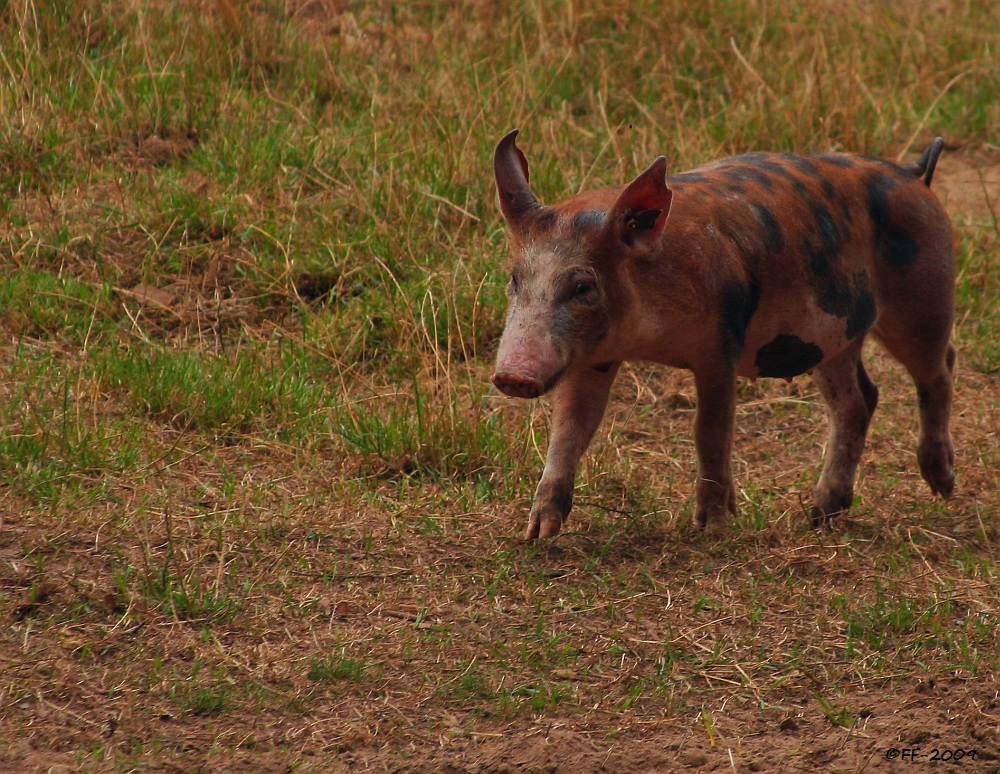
point(512, 285)
point(579, 286)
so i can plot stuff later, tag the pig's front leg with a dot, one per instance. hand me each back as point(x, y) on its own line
point(579, 401)
point(715, 493)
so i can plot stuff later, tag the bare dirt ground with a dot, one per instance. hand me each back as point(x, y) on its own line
point(968, 181)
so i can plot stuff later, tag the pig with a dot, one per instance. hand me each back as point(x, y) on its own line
point(761, 265)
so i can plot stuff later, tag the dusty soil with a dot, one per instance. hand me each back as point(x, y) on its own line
point(967, 181)
point(924, 717)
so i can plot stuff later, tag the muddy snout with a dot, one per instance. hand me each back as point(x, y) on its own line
point(517, 386)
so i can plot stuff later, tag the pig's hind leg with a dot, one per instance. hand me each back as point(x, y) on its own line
point(930, 365)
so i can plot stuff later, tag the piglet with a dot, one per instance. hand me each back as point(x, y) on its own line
point(762, 265)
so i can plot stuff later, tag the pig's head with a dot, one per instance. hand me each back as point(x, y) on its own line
point(568, 292)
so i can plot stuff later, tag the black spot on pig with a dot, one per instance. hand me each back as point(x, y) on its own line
point(844, 162)
point(748, 174)
point(774, 237)
point(768, 162)
point(546, 217)
point(739, 303)
point(847, 297)
point(687, 177)
point(800, 188)
point(823, 243)
point(588, 220)
point(895, 244)
point(804, 165)
point(862, 310)
point(786, 356)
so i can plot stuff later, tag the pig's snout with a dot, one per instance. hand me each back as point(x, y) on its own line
point(517, 386)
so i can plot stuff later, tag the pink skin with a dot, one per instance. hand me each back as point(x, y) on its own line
point(528, 361)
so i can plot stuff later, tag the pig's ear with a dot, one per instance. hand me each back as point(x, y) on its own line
point(640, 213)
point(510, 167)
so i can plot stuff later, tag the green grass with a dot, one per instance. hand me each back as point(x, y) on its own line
point(200, 696)
point(251, 281)
point(55, 439)
point(42, 304)
point(978, 288)
point(270, 390)
point(335, 668)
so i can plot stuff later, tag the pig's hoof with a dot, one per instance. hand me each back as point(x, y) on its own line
point(711, 522)
point(543, 527)
point(944, 488)
point(549, 528)
point(937, 466)
point(712, 515)
point(820, 519)
point(830, 504)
